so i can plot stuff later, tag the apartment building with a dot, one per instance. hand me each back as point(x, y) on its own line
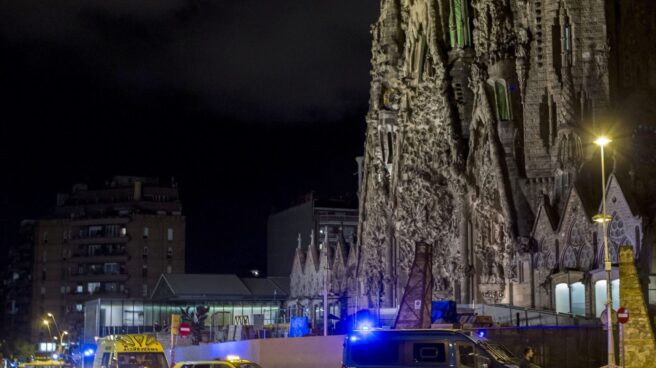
point(112, 242)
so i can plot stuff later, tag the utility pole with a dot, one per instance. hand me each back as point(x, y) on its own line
point(325, 284)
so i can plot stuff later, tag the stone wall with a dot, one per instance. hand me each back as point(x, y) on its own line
point(639, 343)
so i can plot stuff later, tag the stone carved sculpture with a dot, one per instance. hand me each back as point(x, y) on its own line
point(447, 175)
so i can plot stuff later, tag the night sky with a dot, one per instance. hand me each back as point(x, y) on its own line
point(248, 104)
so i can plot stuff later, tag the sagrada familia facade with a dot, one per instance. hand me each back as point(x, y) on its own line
point(479, 143)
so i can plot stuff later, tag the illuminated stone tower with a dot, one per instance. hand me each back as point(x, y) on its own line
point(480, 112)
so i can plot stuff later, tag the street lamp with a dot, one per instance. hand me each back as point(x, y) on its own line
point(60, 350)
point(55, 321)
point(604, 219)
point(45, 322)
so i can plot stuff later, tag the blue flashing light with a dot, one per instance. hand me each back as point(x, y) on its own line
point(88, 352)
point(353, 338)
point(481, 333)
point(365, 326)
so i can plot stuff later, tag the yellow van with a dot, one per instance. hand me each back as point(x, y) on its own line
point(130, 351)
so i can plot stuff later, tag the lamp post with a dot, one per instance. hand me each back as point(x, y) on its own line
point(60, 350)
point(55, 322)
point(604, 218)
point(45, 322)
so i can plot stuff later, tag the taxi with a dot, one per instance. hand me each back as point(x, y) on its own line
point(231, 361)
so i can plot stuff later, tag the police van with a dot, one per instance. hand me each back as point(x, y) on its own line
point(423, 348)
point(130, 351)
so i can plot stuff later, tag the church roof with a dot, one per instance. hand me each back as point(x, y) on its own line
point(623, 181)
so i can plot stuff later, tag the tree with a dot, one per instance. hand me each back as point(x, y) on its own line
point(21, 350)
point(196, 318)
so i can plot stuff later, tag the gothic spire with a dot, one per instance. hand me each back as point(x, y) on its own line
point(391, 35)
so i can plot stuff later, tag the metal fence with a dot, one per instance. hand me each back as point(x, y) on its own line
point(506, 315)
point(556, 346)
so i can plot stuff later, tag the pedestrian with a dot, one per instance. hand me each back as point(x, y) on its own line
point(527, 359)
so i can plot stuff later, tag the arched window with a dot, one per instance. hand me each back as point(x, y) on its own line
point(600, 295)
point(578, 299)
point(390, 147)
point(615, 293)
point(562, 298)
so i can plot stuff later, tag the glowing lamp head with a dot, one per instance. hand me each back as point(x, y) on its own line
point(601, 218)
point(65, 333)
point(45, 322)
point(49, 315)
point(232, 357)
point(602, 141)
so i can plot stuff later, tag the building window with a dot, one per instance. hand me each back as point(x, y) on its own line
point(112, 268)
point(144, 271)
point(169, 269)
point(169, 234)
point(568, 37)
point(79, 307)
point(145, 233)
point(45, 237)
point(124, 231)
point(43, 290)
point(562, 298)
point(111, 287)
point(600, 295)
point(578, 299)
point(93, 287)
point(144, 290)
point(145, 251)
point(93, 249)
point(45, 256)
point(169, 252)
point(459, 24)
point(652, 289)
point(502, 99)
point(79, 289)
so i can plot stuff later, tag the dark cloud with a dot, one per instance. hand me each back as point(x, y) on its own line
point(284, 60)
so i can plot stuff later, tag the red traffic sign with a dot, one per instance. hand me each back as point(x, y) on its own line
point(622, 315)
point(185, 329)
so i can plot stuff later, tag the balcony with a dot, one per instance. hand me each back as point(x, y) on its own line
point(99, 294)
point(101, 256)
point(99, 276)
point(99, 238)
